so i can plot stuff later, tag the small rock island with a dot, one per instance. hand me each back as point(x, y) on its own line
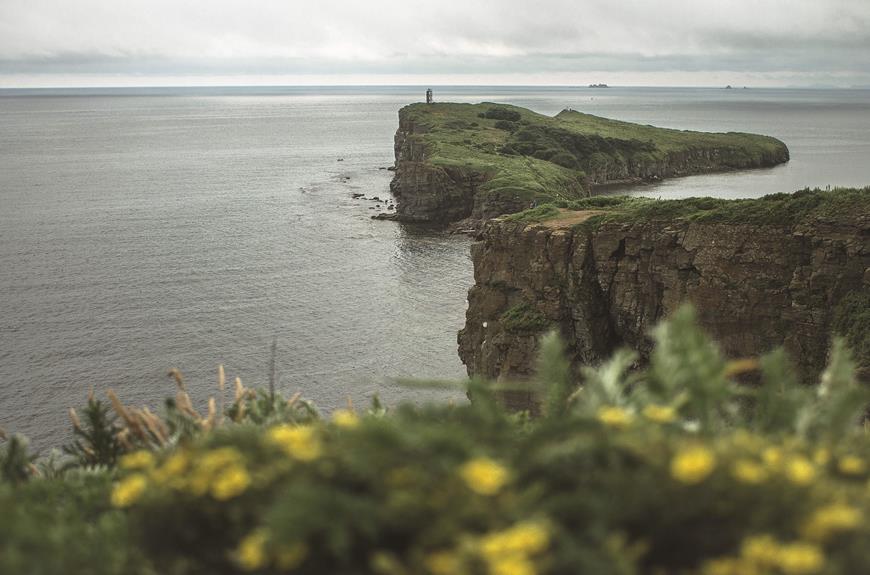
point(473, 162)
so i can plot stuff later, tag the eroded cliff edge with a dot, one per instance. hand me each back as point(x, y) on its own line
point(762, 273)
point(474, 162)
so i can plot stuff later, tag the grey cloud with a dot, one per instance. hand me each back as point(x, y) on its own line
point(450, 36)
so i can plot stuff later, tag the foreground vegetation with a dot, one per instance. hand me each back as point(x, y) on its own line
point(675, 468)
point(540, 158)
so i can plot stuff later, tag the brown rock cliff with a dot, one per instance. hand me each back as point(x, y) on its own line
point(603, 286)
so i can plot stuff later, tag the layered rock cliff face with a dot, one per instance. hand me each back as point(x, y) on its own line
point(426, 193)
point(603, 286)
point(429, 193)
point(678, 164)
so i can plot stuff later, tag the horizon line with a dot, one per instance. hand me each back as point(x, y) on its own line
point(431, 85)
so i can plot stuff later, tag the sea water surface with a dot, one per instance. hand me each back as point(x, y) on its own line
point(145, 229)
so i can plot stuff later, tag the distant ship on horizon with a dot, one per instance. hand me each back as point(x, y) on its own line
point(598, 86)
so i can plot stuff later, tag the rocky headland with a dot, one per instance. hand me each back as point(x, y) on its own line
point(473, 162)
point(785, 270)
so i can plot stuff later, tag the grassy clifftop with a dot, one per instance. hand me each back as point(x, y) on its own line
point(840, 204)
point(752, 146)
point(456, 138)
point(520, 155)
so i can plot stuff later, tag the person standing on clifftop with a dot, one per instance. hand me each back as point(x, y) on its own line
point(429, 98)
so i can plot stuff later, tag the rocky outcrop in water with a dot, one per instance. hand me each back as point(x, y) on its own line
point(756, 286)
point(426, 193)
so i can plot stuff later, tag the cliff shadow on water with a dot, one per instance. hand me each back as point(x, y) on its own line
point(788, 270)
point(471, 162)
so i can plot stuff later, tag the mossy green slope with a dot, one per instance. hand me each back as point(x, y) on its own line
point(784, 209)
point(755, 147)
point(455, 137)
point(522, 156)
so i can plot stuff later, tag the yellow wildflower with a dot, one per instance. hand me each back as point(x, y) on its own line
point(615, 417)
point(251, 553)
point(137, 460)
point(209, 466)
point(299, 442)
point(524, 538)
point(512, 565)
point(748, 471)
point(831, 519)
point(289, 558)
point(443, 563)
point(693, 464)
point(852, 465)
point(800, 559)
point(762, 550)
point(345, 418)
point(217, 458)
point(129, 490)
point(199, 482)
point(772, 456)
point(172, 470)
point(660, 413)
point(800, 471)
point(484, 476)
point(230, 482)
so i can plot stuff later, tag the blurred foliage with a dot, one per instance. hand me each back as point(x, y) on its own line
point(852, 321)
point(671, 468)
point(53, 526)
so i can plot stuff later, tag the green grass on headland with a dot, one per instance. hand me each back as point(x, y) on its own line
point(531, 156)
point(668, 140)
point(537, 214)
point(457, 138)
point(775, 209)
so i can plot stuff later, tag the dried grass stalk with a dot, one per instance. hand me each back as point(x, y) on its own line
point(74, 417)
point(179, 379)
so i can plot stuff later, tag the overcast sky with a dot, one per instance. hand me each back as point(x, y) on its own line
point(627, 42)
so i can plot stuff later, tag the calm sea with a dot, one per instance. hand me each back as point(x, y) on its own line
point(145, 229)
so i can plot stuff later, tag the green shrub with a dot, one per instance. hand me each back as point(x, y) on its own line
point(674, 468)
point(506, 125)
point(524, 316)
point(565, 160)
point(65, 526)
point(501, 114)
